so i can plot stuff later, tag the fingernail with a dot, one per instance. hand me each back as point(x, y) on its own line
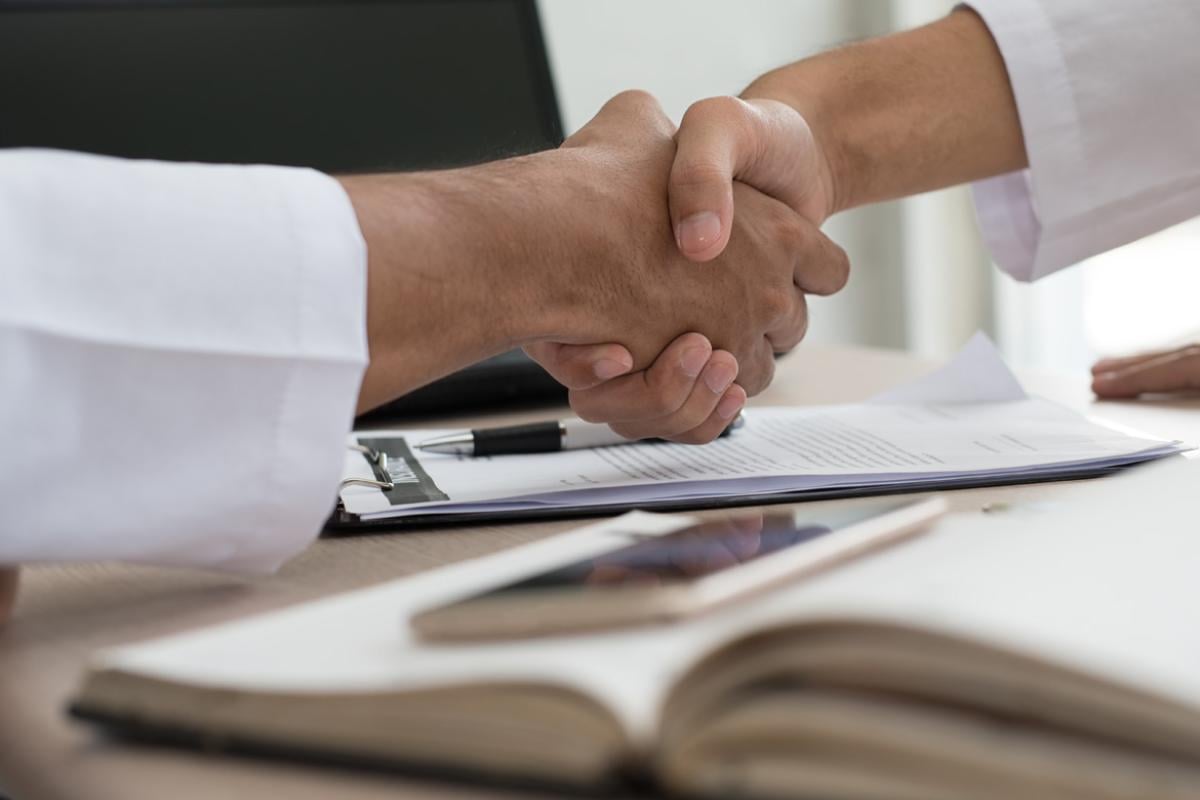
point(1105, 377)
point(607, 369)
point(693, 360)
point(718, 377)
point(699, 231)
point(729, 406)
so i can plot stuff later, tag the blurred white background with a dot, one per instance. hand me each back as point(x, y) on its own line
point(921, 279)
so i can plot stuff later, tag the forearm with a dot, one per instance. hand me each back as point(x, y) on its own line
point(453, 271)
point(906, 113)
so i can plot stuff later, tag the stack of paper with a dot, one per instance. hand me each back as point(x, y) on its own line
point(969, 423)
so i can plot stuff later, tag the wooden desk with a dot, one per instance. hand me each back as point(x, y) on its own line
point(64, 613)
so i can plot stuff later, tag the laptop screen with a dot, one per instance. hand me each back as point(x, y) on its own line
point(340, 85)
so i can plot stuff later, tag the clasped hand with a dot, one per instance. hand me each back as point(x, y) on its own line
point(723, 293)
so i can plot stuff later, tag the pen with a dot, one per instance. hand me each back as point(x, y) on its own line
point(537, 437)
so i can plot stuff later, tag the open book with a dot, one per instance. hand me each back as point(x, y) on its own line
point(967, 424)
point(1037, 652)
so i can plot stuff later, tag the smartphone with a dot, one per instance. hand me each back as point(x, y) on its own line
point(658, 578)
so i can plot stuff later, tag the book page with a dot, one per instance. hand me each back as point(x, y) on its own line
point(360, 641)
point(1102, 583)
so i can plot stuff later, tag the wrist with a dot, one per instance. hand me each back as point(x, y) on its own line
point(806, 97)
point(446, 285)
point(563, 224)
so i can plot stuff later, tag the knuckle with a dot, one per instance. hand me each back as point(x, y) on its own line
point(795, 331)
point(787, 227)
point(660, 403)
point(723, 109)
point(760, 376)
point(638, 103)
point(776, 302)
point(689, 418)
point(659, 400)
point(664, 394)
point(639, 98)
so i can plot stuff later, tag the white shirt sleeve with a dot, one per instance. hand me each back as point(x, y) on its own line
point(181, 346)
point(1109, 97)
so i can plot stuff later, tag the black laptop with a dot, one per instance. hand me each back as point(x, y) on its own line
point(340, 85)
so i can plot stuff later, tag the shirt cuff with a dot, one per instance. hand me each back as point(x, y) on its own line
point(1008, 206)
point(321, 394)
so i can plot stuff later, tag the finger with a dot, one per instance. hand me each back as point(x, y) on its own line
point(1174, 372)
point(655, 392)
point(731, 404)
point(1116, 364)
point(713, 141)
point(757, 369)
point(763, 143)
point(706, 394)
point(822, 266)
point(791, 332)
point(581, 367)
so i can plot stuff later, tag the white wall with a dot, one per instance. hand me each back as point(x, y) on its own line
point(682, 50)
point(918, 278)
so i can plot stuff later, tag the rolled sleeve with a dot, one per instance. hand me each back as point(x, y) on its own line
point(182, 346)
point(1110, 111)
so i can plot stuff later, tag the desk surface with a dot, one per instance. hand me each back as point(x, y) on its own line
point(64, 613)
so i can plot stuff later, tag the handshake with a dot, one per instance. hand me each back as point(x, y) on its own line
point(655, 272)
point(695, 298)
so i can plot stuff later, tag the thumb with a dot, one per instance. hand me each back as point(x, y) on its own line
point(581, 367)
point(710, 146)
point(763, 143)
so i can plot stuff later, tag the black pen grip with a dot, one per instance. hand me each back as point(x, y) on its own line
point(537, 437)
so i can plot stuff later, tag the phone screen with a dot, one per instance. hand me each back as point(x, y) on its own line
point(690, 553)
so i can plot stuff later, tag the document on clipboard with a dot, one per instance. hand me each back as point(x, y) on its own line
point(969, 423)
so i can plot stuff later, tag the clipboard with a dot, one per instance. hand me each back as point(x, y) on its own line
point(342, 523)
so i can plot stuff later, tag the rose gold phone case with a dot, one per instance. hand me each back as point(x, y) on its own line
point(543, 612)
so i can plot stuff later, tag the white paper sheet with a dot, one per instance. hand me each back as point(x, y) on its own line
point(966, 422)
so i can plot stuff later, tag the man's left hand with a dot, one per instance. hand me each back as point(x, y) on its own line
point(687, 395)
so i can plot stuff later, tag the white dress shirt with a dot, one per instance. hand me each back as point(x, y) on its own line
point(1109, 97)
point(181, 347)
